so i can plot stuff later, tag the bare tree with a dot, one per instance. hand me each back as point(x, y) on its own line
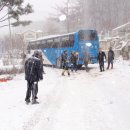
point(102, 15)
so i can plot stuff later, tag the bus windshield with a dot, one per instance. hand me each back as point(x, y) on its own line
point(87, 36)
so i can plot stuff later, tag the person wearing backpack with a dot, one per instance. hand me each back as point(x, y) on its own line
point(33, 74)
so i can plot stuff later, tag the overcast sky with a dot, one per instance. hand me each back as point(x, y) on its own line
point(42, 8)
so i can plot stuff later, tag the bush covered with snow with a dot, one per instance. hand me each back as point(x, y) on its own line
point(10, 69)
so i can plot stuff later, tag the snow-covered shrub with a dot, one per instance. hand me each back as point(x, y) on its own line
point(5, 61)
point(11, 69)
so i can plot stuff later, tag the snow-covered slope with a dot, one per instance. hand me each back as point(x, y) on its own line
point(84, 101)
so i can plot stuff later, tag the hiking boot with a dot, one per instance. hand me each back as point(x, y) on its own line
point(36, 97)
point(27, 101)
point(35, 102)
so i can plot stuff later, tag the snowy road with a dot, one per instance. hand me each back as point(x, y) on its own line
point(83, 101)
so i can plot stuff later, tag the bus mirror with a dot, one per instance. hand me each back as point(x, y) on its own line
point(88, 44)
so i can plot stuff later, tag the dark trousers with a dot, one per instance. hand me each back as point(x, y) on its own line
point(32, 87)
point(75, 66)
point(72, 67)
point(101, 65)
point(110, 62)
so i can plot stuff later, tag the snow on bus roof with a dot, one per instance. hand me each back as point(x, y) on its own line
point(51, 36)
point(58, 35)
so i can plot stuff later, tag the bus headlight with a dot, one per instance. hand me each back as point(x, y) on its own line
point(88, 44)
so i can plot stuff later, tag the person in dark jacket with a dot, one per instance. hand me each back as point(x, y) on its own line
point(72, 60)
point(65, 62)
point(33, 73)
point(101, 57)
point(110, 58)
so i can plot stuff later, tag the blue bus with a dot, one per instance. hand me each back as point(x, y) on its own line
point(81, 41)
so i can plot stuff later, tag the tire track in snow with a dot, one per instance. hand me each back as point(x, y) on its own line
point(52, 101)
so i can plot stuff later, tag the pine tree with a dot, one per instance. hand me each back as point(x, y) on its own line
point(14, 9)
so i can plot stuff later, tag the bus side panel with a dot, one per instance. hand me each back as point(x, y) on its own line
point(51, 54)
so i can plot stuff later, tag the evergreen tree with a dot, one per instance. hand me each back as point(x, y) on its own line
point(14, 9)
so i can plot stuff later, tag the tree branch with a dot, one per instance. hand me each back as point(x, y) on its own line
point(5, 19)
point(6, 14)
point(3, 6)
point(14, 13)
point(4, 25)
point(3, 16)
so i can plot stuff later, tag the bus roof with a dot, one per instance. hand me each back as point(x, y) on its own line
point(58, 35)
point(51, 36)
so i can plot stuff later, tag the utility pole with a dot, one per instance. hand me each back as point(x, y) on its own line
point(10, 32)
point(68, 16)
point(11, 43)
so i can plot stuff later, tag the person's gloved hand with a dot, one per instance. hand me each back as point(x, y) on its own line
point(35, 83)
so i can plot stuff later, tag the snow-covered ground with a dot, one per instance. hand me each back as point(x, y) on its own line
point(84, 101)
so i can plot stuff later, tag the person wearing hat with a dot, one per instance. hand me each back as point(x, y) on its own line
point(33, 74)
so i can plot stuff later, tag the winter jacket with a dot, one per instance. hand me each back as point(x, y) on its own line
point(110, 55)
point(101, 56)
point(76, 59)
point(33, 69)
point(72, 59)
point(65, 61)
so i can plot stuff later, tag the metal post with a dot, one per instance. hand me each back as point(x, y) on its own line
point(10, 32)
point(11, 43)
point(68, 16)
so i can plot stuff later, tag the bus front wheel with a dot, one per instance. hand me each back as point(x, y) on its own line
point(79, 66)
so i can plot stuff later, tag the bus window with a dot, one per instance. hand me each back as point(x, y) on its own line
point(93, 36)
point(71, 40)
point(49, 43)
point(65, 41)
point(56, 42)
point(87, 36)
point(42, 44)
point(37, 45)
